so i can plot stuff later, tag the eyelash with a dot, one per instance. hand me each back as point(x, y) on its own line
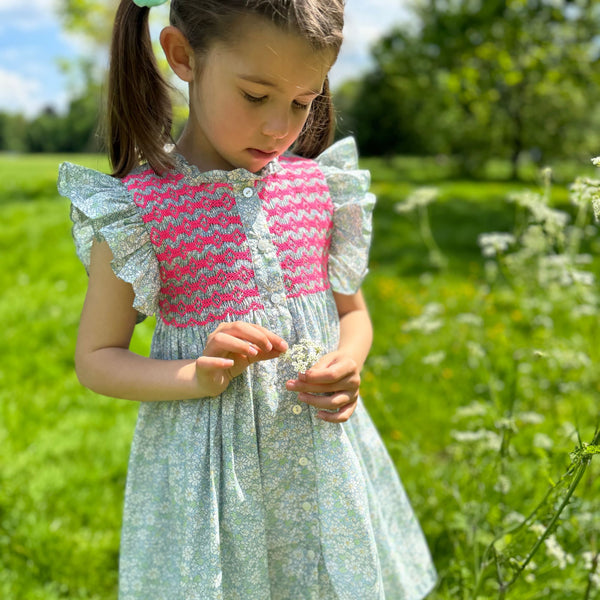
point(258, 100)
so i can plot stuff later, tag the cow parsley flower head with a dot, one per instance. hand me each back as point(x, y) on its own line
point(303, 355)
point(495, 243)
point(420, 197)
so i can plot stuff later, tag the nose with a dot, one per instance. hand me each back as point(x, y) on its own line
point(277, 125)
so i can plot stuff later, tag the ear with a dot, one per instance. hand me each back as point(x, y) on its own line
point(179, 53)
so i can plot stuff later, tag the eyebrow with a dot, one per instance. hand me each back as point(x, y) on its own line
point(267, 83)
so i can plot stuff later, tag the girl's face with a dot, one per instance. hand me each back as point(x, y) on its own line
point(249, 100)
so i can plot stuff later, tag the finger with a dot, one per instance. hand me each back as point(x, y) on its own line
point(260, 336)
point(214, 362)
point(329, 373)
point(333, 401)
point(340, 416)
point(265, 356)
point(222, 344)
point(350, 383)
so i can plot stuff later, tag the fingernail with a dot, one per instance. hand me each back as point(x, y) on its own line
point(252, 350)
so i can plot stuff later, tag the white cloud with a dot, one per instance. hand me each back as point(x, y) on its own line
point(18, 93)
point(365, 22)
point(26, 16)
point(27, 95)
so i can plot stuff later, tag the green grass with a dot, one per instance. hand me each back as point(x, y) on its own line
point(64, 450)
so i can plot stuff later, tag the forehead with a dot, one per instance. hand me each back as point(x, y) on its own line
point(258, 49)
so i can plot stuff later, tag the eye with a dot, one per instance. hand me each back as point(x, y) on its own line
point(253, 99)
point(301, 106)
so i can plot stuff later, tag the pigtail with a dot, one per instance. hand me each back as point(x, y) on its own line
point(139, 108)
point(319, 130)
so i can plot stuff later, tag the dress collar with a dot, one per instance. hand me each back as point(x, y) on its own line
point(217, 175)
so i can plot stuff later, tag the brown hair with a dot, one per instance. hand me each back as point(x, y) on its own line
point(139, 106)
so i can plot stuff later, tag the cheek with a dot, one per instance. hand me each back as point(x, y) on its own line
point(299, 122)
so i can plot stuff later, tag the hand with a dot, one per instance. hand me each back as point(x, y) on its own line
point(230, 349)
point(338, 376)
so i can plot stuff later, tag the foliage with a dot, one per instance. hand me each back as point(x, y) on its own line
point(484, 79)
point(74, 131)
point(539, 276)
point(481, 380)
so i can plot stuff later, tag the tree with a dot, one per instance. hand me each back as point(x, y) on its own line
point(494, 78)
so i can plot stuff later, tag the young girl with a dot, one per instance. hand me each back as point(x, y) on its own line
point(246, 480)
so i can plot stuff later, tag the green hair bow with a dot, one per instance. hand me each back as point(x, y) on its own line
point(148, 3)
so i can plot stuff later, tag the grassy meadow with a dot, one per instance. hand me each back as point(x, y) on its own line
point(482, 379)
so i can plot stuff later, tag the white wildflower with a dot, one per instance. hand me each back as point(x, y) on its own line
point(420, 197)
point(530, 418)
point(584, 259)
point(475, 409)
point(583, 277)
point(591, 561)
point(527, 199)
point(596, 207)
point(489, 439)
point(547, 175)
point(585, 310)
point(596, 161)
point(507, 423)
point(469, 319)
point(556, 552)
point(543, 441)
point(503, 484)
point(494, 243)
point(303, 355)
point(475, 350)
point(513, 518)
point(538, 529)
point(543, 321)
point(434, 359)
point(534, 240)
point(426, 322)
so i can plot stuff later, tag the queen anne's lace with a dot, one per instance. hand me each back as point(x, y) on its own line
point(303, 355)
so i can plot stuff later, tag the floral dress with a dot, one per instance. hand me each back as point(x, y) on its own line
point(248, 495)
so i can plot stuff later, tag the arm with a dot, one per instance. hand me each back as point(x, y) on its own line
point(338, 373)
point(356, 332)
point(105, 364)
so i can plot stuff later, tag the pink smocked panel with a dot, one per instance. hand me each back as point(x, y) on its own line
point(299, 212)
point(205, 263)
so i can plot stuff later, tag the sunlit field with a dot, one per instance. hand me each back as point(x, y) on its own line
point(483, 381)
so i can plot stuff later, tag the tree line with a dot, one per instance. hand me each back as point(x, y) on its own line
point(471, 79)
point(478, 79)
point(76, 130)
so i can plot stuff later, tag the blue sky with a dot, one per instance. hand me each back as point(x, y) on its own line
point(32, 44)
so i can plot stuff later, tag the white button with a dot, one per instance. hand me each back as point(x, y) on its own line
point(306, 506)
point(248, 192)
point(303, 461)
point(310, 555)
point(297, 409)
point(263, 245)
point(277, 299)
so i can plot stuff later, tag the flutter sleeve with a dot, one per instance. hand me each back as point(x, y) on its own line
point(353, 208)
point(102, 209)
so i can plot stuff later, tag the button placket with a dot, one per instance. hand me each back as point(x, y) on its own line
point(267, 270)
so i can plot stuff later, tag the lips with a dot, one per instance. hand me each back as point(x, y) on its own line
point(262, 154)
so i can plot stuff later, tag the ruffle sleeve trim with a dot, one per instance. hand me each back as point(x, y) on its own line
point(352, 218)
point(102, 209)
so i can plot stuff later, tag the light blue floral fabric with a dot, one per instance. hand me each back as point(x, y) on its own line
point(248, 495)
